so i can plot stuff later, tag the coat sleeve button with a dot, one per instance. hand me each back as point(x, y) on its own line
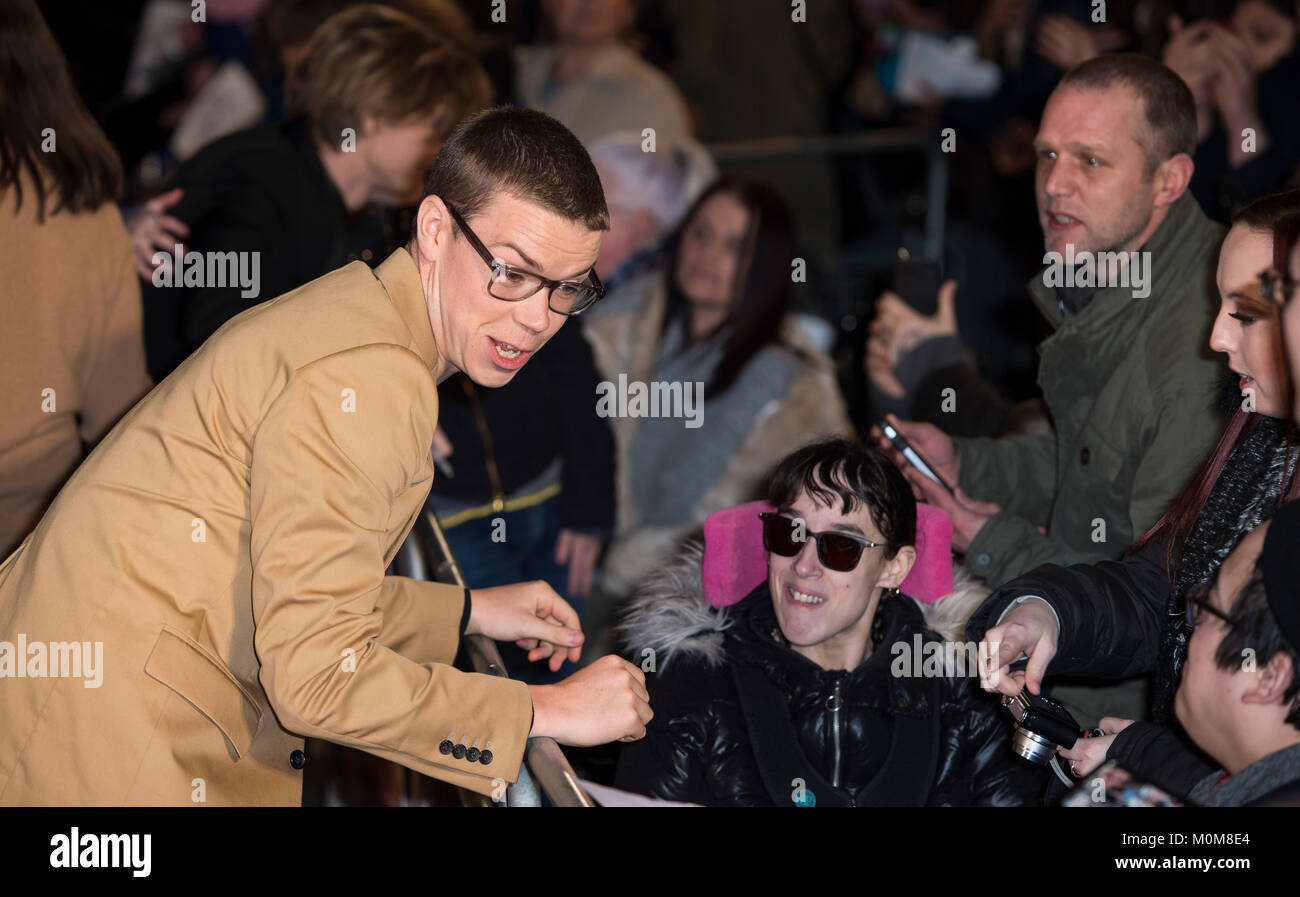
point(297, 759)
point(1084, 456)
point(485, 758)
point(458, 752)
point(446, 746)
point(472, 755)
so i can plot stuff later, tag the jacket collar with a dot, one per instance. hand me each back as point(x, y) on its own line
point(1265, 775)
point(1169, 246)
point(401, 279)
point(763, 644)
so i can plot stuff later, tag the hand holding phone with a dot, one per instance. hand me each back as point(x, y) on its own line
point(913, 457)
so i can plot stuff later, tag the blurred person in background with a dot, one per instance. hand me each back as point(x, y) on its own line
point(748, 71)
point(647, 193)
point(588, 78)
point(71, 345)
point(1243, 74)
point(716, 328)
point(287, 26)
point(378, 93)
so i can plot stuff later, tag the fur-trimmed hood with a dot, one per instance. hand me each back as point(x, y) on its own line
point(669, 615)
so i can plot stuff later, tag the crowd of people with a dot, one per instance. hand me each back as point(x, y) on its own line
point(278, 294)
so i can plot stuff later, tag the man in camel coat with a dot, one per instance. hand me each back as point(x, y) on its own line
point(209, 586)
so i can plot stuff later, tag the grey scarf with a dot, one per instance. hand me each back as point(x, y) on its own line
point(1257, 472)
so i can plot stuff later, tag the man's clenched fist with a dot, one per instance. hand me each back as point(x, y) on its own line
point(606, 701)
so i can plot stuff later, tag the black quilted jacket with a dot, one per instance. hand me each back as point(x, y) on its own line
point(893, 741)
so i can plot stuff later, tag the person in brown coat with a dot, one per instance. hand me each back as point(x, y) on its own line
point(71, 349)
point(209, 587)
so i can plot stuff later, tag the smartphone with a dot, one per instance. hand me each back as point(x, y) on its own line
point(917, 282)
point(912, 455)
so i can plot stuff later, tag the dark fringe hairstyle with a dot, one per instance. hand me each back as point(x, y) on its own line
point(1257, 630)
point(838, 469)
point(38, 94)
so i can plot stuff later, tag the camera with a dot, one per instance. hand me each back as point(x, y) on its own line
point(1042, 725)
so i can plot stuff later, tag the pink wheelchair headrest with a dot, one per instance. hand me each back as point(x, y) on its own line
point(735, 561)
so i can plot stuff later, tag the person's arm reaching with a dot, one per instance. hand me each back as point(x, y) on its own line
point(1100, 620)
point(323, 484)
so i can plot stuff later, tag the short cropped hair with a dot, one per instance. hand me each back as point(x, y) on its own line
point(524, 153)
point(839, 470)
point(1167, 103)
point(1258, 632)
point(373, 60)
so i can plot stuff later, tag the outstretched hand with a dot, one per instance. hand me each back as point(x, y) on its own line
point(531, 615)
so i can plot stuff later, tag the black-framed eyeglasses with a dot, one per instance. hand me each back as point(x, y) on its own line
point(1276, 286)
point(1197, 605)
point(511, 284)
point(837, 551)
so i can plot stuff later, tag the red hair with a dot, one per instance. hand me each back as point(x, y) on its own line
point(1178, 521)
point(1279, 215)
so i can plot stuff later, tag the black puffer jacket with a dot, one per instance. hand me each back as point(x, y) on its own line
point(894, 740)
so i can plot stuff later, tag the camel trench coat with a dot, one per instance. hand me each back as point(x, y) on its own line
point(222, 552)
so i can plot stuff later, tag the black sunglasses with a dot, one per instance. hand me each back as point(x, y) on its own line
point(837, 551)
point(511, 284)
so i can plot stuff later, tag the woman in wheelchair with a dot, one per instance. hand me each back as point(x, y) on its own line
point(799, 684)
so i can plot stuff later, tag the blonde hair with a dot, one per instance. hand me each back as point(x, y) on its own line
point(371, 60)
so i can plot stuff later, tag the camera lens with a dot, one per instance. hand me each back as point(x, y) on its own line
point(1033, 747)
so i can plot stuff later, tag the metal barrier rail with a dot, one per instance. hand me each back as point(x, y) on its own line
point(544, 763)
point(882, 140)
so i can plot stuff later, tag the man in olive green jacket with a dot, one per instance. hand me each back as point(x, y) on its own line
point(1128, 376)
point(1130, 384)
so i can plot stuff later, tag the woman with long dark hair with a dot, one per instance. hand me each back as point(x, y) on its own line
point(71, 349)
point(1122, 618)
point(740, 383)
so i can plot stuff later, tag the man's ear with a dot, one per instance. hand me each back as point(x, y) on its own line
point(1172, 177)
point(1271, 682)
point(432, 228)
point(897, 568)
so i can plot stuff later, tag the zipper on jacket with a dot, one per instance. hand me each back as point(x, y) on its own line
point(834, 704)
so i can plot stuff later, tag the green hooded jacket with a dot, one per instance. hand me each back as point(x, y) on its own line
point(1131, 386)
